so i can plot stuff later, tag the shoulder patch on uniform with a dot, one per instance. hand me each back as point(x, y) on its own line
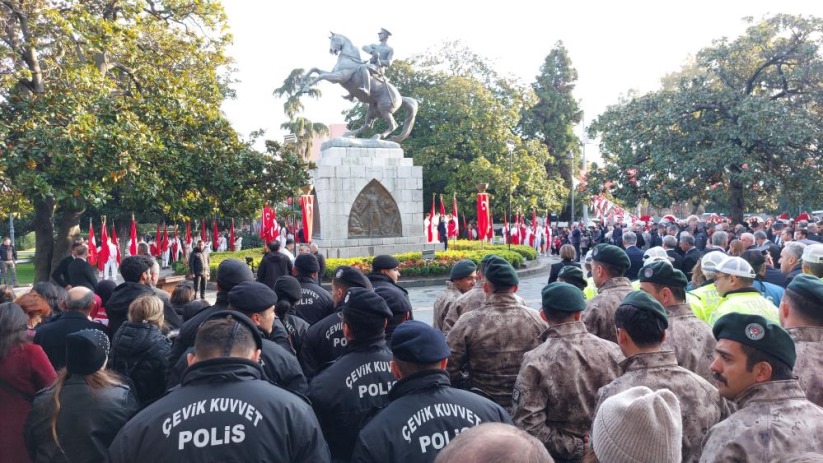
point(346, 300)
point(755, 332)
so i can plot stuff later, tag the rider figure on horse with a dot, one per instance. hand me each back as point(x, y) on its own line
point(381, 58)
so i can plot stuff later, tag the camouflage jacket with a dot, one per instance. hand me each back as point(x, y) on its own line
point(489, 343)
point(444, 303)
point(599, 314)
point(808, 368)
point(466, 302)
point(774, 420)
point(700, 403)
point(557, 407)
point(691, 339)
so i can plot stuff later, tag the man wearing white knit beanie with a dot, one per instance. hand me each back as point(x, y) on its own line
point(638, 425)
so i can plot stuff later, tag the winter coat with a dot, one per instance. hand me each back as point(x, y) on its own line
point(140, 352)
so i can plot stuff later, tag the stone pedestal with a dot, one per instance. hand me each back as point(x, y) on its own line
point(369, 199)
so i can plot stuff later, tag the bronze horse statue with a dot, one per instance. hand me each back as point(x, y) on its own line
point(382, 99)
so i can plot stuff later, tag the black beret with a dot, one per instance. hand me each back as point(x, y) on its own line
point(417, 342)
point(384, 262)
point(500, 273)
point(351, 276)
point(307, 263)
point(287, 287)
point(397, 301)
point(232, 272)
point(809, 286)
point(757, 332)
point(642, 301)
point(662, 273)
point(86, 351)
point(612, 255)
point(252, 296)
point(241, 318)
point(365, 302)
point(562, 297)
point(462, 269)
point(574, 275)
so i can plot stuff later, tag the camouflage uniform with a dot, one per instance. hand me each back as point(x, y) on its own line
point(468, 301)
point(443, 303)
point(773, 420)
point(558, 408)
point(809, 365)
point(700, 402)
point(489, 344)
point(599, 314)
point(691, 339)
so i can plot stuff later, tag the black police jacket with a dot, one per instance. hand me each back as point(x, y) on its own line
point(315, 304)
point(87, 423)
point(424, 414)
point(396, 297)
point(344, 393)
point(323, 343)
point(223, 412)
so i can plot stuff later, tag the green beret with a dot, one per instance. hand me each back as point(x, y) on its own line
point(574, 275)
point(562, 297)
point(642, 301)
point(462, 269)
point(612, 255)
point(809, 286)
point(662, 273)
point(755, 331)
point(501, 273)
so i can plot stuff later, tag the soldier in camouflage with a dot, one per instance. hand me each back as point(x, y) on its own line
point(690, 338)
point(801, 314)
point(488, 344)
point(641, 328)
point(774, 420)
point(555, 408)
point(609, 264)
point(461, 279)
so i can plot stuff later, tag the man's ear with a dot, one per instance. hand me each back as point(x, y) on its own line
point(191, 359)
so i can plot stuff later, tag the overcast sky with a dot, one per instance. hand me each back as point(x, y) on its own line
point(615, 46)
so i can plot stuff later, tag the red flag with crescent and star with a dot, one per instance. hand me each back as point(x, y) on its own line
point(115, 241)
point(307, 208)
point(133, 237)
point(103, 255)
point(483, 225)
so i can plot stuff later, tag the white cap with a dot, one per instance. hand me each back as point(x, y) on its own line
point(813, 254)
point(734, 265)
point(710, 260)
point(588, 258)
point(656, 253)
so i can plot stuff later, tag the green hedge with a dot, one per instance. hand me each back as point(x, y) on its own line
point(411, 263)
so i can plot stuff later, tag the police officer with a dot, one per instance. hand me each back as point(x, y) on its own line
point(316, 303)
point(707, 292)
point(225, 410)
point(384, 275)
point(289, 292)
point(801, 314)
point(641, 329)
point(488, 344)
point(360, 379)
point(690, 338)
point(324, 341)
point(609, 264)
point(555, 408)
point(753, 367)
point(734, 278)
point(424, 412)
point(461, 279)
point(257, 301)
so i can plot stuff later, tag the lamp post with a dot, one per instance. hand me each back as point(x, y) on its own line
point(510, 145)
point(571, 157)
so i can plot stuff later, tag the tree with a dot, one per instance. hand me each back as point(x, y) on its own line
point(303, 129)
point(736, 128)
point(116, 103)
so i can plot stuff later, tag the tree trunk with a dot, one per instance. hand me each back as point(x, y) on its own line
point(736, 202)
point(68, 231)
point(43, 237)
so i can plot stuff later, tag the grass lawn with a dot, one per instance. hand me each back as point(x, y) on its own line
point(25, 273)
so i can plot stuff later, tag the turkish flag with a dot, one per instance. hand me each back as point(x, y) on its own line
point(175, 245)
point(454, 225)
point(483, 224)
point(116, 244)
point(534, 228)
point(307, 207)
point(133, 237)
point(268, 228)
point(158, 242)
point(103, 255)
point(188, 232)
point(164, 246)
point(92, 245)
point(215, 235)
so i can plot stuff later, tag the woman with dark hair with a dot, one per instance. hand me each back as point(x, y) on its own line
point(24, 370)
point(182, 295)
point(77, 418)
point(140, 351)
point(53, 294)
point(289, 292)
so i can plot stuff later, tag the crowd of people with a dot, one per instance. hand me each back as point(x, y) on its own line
point(686, 347)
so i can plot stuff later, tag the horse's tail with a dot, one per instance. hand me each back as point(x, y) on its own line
point(410, 106)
